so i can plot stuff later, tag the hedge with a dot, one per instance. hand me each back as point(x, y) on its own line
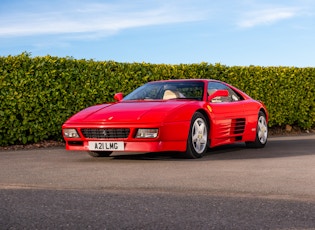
point(39, 93)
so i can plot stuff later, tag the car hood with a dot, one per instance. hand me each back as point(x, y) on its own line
point(129, 111)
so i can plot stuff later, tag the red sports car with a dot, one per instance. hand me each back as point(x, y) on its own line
point(186, 116)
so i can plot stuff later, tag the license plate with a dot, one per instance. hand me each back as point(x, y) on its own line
point(106, 146)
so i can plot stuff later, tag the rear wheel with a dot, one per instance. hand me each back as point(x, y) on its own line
point(261, 132)
point(197, 143)
point(99, 153)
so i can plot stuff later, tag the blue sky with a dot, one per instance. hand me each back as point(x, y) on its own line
point(230, 32)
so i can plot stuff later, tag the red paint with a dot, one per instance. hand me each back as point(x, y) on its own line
point(230, 122)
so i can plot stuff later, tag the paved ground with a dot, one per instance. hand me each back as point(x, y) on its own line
point(230, 188)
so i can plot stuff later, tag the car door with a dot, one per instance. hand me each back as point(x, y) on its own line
point(227, 115)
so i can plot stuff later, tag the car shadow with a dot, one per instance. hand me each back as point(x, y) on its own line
point(239, 151)
point(147, 156)
point(273, 149)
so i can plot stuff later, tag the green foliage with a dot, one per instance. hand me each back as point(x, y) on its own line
point(38, 94)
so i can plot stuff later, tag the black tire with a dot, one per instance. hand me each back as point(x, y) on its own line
point(99, 154)
point(198, 138)
point(261, 132)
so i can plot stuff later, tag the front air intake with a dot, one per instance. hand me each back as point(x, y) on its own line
point(107, 133)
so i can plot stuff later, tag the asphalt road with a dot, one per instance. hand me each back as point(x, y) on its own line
point(230, 188)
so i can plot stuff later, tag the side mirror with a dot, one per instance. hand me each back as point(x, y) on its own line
point(119, 96)
point(218, 93)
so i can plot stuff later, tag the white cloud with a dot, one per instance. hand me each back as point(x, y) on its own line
point(91, 18)
point(267, 16)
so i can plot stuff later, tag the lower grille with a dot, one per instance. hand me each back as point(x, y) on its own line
point(105, 133)
point(75, 143)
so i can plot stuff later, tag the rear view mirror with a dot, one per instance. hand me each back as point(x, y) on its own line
point(218, 93)
point(119, 96)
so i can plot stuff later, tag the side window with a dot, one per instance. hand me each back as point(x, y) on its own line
point(214, 86)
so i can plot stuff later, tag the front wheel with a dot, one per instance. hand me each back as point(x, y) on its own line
point(261, 132)
point(197, 143)
point(99, 153)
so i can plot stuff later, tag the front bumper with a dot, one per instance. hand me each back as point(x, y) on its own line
point(171, 137)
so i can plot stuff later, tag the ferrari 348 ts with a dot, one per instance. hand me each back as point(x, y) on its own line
point(185, 116)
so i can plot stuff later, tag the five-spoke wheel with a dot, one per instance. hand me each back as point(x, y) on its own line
point(197, 143)
point(261, 132)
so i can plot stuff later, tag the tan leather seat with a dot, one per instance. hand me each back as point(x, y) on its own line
point(169, 94)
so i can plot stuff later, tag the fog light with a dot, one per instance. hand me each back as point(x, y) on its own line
point(147, 133)
point(70, 133)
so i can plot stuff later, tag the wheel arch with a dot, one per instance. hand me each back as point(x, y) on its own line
point(263, 110)
point(208, 119)
point(197, 142)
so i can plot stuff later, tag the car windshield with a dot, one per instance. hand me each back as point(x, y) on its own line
point(168, 90)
